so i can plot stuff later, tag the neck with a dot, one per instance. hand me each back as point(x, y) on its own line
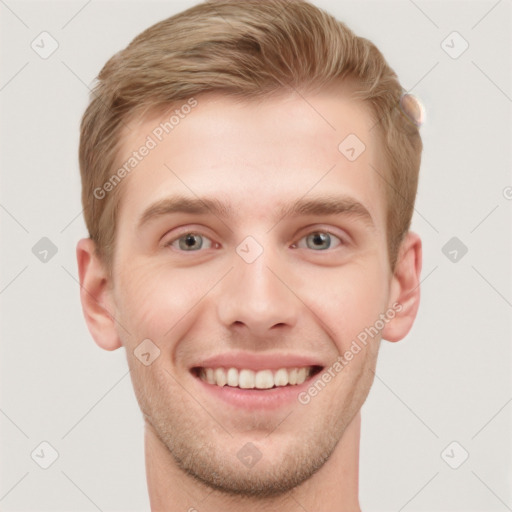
point(333, 487)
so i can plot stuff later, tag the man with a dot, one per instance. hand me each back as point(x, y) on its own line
point(249, 171)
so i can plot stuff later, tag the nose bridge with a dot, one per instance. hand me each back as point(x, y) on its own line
point(254, 293)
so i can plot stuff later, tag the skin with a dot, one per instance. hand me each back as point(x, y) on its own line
point(295, 298)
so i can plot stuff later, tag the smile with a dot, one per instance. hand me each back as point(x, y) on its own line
point(250, 379)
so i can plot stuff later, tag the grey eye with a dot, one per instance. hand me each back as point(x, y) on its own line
point(191, 242)
point(320, 240)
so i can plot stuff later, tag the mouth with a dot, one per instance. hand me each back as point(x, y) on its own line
point(251, 381)
point(261, 380)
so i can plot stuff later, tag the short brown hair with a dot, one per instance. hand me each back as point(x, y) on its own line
point(246, 49)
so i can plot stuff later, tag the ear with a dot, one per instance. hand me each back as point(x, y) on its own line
point(405, 288)
point(95, 295)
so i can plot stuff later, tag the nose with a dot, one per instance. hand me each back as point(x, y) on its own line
point(258, 296)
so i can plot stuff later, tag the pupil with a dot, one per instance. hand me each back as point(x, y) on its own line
point(190, 240)
point(320, 239)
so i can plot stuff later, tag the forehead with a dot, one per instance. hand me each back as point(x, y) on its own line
point(254, 154)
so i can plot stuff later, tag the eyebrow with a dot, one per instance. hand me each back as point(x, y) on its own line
point(319, 206)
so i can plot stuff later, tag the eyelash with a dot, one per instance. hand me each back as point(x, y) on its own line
point(318, 231)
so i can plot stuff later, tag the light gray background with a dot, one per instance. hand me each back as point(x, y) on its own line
point(449, 380)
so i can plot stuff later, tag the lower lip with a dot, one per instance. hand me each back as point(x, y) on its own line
point(250, 399)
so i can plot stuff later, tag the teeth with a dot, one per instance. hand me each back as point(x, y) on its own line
point(281, 377)
point(232, 377)
point(264, 379)
point(220, 377)
point(248, 379)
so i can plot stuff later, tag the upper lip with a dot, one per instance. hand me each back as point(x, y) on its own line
point(256, 362)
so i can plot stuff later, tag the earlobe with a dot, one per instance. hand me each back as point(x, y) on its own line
point(97, 304)
point(405, 288)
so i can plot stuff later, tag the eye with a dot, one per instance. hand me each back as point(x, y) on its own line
point(190, 242)
point(319, 240)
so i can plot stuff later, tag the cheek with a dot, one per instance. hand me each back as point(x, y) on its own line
point(154, 300)
point(347, 300)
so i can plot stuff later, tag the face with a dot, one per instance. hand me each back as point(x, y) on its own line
point(252, 252)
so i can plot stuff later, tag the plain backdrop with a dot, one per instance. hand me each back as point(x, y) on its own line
point(441, 394)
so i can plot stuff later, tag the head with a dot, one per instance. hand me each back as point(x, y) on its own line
point(243, 110)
